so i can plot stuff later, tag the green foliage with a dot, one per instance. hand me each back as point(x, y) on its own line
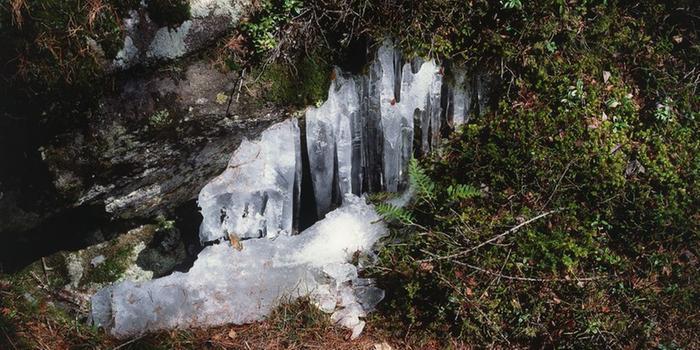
point(461, 192)
point(168, 12)
point(583, 133)
point(51, 42)
point(112, 268)
point(391, 212)
point(264, 29)
point(303, 84)
point(423, 185)
point(163, 224)
point(512, 4)
point(160, 119)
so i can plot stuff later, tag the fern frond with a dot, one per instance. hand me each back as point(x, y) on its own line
point(460, 192)
point(421, 182)
point(391, 212)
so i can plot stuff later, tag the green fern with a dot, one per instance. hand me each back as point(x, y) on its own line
point(460, 192)
point(421, 182)
point(391, 212)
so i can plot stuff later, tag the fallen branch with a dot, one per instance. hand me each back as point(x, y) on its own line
point(495, 238)
point(60, 295)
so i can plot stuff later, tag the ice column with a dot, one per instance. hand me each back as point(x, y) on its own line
point(331, 141)
point(255, 196)
point(461, 99)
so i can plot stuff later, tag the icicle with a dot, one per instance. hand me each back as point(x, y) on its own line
point(484, 86)
point(329, 137)
point(461, 101)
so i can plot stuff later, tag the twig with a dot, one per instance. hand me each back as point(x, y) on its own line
point(230, 96)
point(493, 239)
point(54, 293)
point(129, 342)
point(8, 338)
point(558, 182)
point(45, 268)
point(240, 84)
point(497, 278)
point(529, 279)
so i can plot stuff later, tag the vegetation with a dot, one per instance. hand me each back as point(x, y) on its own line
point(568, 216)
point(47, 43)
point(584, 228)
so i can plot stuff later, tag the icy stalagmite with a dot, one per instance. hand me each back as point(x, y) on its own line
point(255, 195)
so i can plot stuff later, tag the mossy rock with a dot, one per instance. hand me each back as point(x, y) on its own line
point(301, 85)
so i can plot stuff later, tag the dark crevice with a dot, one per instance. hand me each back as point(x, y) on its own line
point(307, 202)
point(74, 229)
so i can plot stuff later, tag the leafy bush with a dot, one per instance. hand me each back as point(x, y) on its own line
point(264, 30)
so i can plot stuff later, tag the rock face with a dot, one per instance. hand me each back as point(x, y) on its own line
point(150, 147)
point(147, 42)
point(154, 145)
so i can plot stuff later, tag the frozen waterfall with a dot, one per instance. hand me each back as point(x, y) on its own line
point(230, 286)
point(362, 137)
point(359, 140)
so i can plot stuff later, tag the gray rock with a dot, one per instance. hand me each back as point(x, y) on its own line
point(155, 144)
point(145, 42)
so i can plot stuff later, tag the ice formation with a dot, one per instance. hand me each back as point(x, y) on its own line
point(255, 196)
point(359, 140)
point(331, 144)
point(230, 286)
point(362, 138)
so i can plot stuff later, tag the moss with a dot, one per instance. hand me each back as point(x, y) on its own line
point(168, 12)
point(305, 83)
point(114, 266)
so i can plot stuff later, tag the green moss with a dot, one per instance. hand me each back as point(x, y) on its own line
point(115, 264)
point(168, 12)
point(304, 84)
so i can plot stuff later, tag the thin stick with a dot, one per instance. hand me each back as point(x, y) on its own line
point(495, 238)
point(8, 338)
point(46, 268)
point(558, 182)
point(529, 279)
point(240, 84)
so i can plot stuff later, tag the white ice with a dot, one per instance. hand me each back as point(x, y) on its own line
point(254, 197)
point(329, 138)
point(230, 286)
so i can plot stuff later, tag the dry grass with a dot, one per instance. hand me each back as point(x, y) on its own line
point(16, 6)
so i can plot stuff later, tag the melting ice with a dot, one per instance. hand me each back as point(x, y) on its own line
point(230, 286)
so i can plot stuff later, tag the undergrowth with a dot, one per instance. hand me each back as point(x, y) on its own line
point(568, 216)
